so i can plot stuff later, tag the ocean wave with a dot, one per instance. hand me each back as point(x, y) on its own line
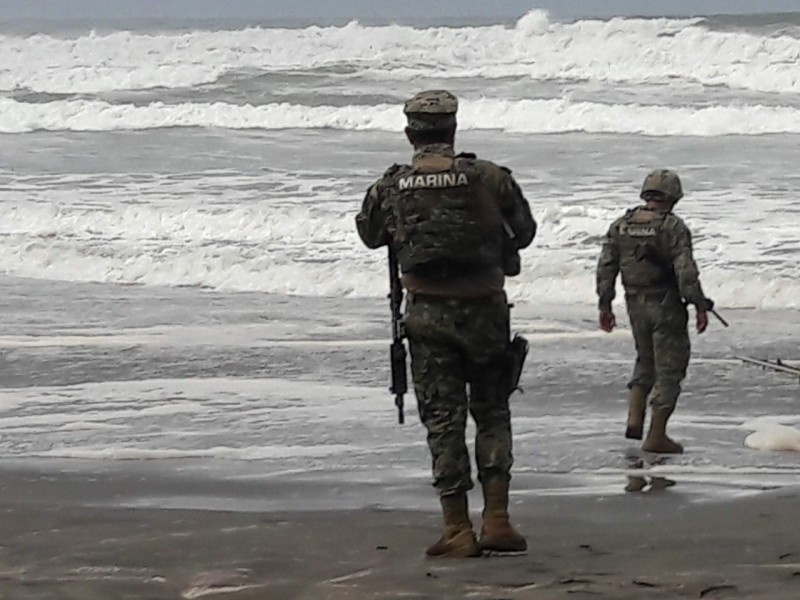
point(515, 116)
point(311, 249)
point(547, 279)
point(613, 51)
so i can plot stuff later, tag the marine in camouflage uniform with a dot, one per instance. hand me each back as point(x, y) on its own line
point(652, 248)
point(456, 224)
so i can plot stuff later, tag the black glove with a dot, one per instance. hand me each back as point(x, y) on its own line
point(709, 304)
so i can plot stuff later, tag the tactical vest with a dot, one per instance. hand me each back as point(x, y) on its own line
point(645, 260)
point(447, 224)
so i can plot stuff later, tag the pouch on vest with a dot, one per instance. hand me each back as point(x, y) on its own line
point(446, 223)
point(644, 261)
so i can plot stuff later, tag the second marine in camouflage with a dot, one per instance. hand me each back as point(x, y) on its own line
point(652, 248)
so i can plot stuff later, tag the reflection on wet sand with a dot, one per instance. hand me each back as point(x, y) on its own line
point(637, 483)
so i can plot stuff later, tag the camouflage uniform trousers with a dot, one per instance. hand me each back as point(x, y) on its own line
point(659, 324)
point(456, 342)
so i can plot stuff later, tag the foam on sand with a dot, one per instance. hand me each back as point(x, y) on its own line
point(770, 435)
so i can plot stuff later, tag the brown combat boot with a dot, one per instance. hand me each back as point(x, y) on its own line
point(497, 533)
point(657, 439)
point(458, 539)
point(637, 405)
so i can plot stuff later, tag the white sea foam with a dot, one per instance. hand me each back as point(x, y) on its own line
point(619, 50)
point(312, 249)
point(289, 424)
point(274, 252)
point(770, 434)
point(193, 418)
point(262, 452)
point(517, 116)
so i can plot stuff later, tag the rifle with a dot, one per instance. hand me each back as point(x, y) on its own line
point(517, 352)
point(397, 351)
point(778, 365)
point(710, 308)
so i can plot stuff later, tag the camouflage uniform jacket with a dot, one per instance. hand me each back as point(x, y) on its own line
point(653, 250)
point(376, 222)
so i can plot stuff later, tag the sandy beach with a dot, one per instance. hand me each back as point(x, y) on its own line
point(169, 443)
point(70, 534)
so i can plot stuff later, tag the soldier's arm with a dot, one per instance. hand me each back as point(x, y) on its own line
point(516, 210)
point(607, 269)
point(683, 264)
point(372, 219)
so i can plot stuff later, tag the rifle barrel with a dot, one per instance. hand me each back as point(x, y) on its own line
point(721, 320)
point(771, 365)
point(397, 351)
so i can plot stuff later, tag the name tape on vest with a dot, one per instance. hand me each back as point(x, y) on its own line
point(433, 180)
point(641, 231)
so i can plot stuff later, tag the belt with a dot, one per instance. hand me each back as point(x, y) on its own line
point(646, 291)
point(434, 299)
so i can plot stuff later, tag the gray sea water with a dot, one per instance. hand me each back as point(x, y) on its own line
point(181, 280)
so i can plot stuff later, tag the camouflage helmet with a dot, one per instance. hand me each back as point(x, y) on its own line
point(664, 181)
point(431, 109)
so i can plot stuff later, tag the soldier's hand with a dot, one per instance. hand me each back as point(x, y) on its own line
point(607, 321)
point(702, 321)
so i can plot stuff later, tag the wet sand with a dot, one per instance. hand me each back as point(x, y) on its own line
point(68, 534)
point(277, 470)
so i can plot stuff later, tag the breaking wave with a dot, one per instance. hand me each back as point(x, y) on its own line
point(618, 51)
point(314, 251)
point(515, 116)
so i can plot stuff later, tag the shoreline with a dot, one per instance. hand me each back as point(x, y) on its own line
point(196, 458)
point(71, 534)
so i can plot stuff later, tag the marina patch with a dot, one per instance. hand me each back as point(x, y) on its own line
point(433, 181)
